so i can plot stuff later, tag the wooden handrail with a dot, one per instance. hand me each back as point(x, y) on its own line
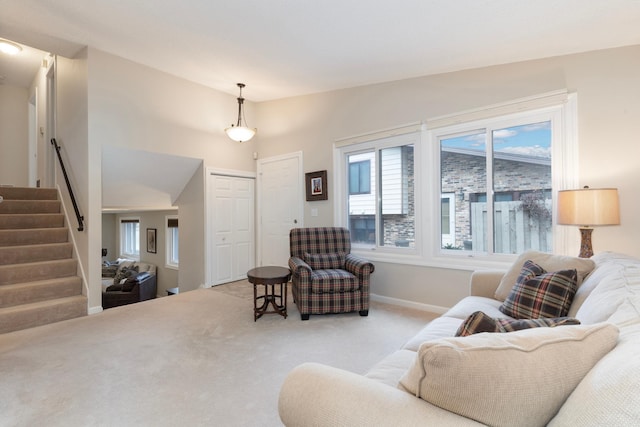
point(66, 178)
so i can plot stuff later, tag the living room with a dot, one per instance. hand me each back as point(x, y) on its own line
point(105, 100)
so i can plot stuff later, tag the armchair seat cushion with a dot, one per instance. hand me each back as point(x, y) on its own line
point(333, 280)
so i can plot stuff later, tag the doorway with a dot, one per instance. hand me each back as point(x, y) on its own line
point(230, 225)
point(280, 206)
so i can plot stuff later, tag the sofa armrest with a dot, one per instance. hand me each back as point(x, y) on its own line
point(148, 286)
point(484, 283)
point(319, 395)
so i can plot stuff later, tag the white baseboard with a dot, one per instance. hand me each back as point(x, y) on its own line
point(410, 304)
point(95, 310)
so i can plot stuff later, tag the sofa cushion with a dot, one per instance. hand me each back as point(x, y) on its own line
point(547, 261)
point(615, 278)
point(441, 327)
point(608, 394)
point(124, 273)
point(390, 369)
point(114, 288)
point(540, 294)
point(480, 322)
point(494, 378)
point(325, 261)
point(468, 305)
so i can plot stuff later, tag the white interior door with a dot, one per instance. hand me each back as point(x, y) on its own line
point(231, 225)
point(280, 206)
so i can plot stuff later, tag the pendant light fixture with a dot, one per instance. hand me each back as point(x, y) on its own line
point(9, 47)
point(240, 132)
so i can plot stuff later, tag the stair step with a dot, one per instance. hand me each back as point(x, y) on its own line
point(41, 290)
point(46, 220)
point(42, 313)
point(33, 236)
point(29, 206)
point(33, 253)
point(28, 272)
point(28, 193)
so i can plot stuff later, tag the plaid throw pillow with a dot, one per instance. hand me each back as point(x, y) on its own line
point(481, 322)
point(539, 294)
point(325, 261)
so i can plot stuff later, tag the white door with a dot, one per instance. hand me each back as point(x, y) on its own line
point(280, 206)
point(231, 225)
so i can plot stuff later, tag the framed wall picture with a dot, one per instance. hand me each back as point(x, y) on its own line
point(316, 186)
point(151, 240)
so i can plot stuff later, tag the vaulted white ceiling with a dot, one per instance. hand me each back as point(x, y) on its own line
point(282, 48)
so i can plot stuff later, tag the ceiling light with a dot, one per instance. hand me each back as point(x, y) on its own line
point(238, 132)
point(10, 48)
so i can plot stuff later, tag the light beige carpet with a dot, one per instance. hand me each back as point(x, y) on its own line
point(192, 359)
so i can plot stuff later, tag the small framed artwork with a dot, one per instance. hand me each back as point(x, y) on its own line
point(316, 186)
point(151, 240)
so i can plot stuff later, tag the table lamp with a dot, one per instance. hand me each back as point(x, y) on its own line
point(587, 207)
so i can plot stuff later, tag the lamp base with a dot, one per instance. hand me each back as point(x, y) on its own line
point(586, 250)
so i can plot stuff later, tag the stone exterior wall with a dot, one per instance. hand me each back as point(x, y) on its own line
point(466, 177)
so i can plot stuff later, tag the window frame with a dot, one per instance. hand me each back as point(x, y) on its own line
point(563, 170)
point(398, 137)
point(124, 252)
point(427, 251)
point(170, 241)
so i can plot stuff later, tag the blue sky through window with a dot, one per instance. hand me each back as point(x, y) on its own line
point(531, 139)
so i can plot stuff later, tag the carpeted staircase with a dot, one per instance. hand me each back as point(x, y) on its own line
point(38, 274)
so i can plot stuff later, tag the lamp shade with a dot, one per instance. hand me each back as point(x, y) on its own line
point(240, 133)
point(588, 206)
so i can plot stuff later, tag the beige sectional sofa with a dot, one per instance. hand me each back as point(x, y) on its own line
point(575, 375)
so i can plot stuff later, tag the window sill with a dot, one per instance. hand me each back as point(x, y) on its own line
point(467, 262)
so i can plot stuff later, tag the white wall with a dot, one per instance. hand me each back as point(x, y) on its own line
point(109, 236)
point(608, 86)
point(14, 136)
point(192, 245)
point(130, 105)
point(79, 157)
point(136, 107)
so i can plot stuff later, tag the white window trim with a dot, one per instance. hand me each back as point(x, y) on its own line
point(564, 174)
point(123, 253)
point(427, 251)
point(402, 135)
point(168, 233)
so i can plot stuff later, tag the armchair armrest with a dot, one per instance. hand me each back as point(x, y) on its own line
point(357, 265)
point(299, 267)
point(484, 283)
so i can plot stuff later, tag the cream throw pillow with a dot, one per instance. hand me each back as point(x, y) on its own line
point(519, 378)
point(547, 261)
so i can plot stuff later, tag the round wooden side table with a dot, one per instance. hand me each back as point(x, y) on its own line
point(269, 276)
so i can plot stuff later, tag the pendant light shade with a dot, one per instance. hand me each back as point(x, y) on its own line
point(10, 48)
point(240, 132)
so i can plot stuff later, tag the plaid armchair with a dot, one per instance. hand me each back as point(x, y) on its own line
point(326, 277)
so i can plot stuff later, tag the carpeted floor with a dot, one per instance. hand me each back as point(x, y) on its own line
point(196, 358)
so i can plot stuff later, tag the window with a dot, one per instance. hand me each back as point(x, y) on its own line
point(172, 259)
point(379, 192)
point(130, 237)
point(499, 172)
point(477, 186)
point(360, 177)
